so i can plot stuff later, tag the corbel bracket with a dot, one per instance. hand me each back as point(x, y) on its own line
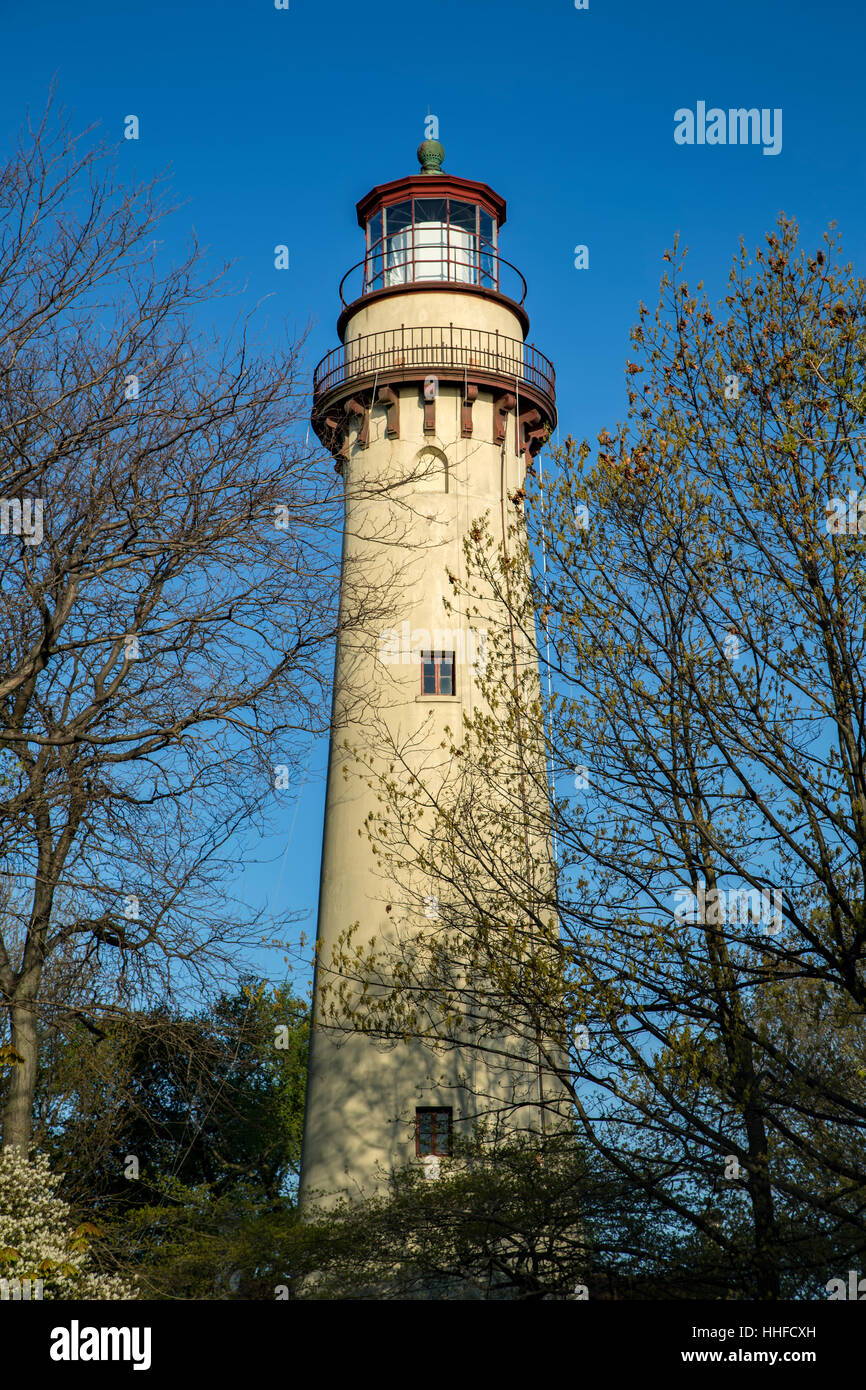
point(337, 441)
point(529, 432)
point(360, 411)
point(391, 400)
point(428, 399)
point(470, 396)
point(501, 406)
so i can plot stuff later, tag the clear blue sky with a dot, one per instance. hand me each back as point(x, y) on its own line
point(276, 121)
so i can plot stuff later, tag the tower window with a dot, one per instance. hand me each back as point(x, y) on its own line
point(437, 673)
point(433, 1131)
point(431, 239)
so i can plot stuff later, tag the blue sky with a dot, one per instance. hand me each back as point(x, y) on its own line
point(275, 122)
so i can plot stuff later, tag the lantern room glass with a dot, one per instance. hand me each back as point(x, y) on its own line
point(424, 239)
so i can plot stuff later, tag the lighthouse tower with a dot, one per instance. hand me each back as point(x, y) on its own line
point(431, 405)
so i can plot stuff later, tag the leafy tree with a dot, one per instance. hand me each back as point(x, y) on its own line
point(215, 1098)
point(194, 1242)
point(180, 1137)
point(523, 1220)
point(40, 1240)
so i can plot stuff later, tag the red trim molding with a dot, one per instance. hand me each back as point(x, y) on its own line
point(430, 186)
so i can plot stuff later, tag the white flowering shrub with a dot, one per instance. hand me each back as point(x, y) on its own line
point(38, 1236)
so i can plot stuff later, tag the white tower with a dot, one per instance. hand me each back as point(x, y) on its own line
point(431, 406)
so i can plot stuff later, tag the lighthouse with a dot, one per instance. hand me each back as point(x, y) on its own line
point(432, 406)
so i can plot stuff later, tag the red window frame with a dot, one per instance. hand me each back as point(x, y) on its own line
point(438, 1147)
point(437, 660)
point(484, 262)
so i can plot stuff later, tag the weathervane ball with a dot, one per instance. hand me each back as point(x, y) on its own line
point(430, 156)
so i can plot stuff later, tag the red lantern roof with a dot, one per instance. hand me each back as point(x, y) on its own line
point(430, 186)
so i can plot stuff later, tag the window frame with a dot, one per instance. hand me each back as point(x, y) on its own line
point(434, 1151)
point(437, 659)
point(481, 264)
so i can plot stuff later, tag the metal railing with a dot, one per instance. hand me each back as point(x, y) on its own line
point(475, 269)
point(424, 348)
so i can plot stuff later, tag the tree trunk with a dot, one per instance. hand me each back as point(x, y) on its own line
point(18, 1111)
point(763, 1209)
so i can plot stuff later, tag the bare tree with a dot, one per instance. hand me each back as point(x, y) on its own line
point(167, 588)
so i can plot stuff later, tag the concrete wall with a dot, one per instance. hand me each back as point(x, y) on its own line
point(406, 517)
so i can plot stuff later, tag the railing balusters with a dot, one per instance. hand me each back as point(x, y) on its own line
point(374, 352)
point(397, 268)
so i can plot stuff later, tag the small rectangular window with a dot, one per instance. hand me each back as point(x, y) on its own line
point(489, 271)
point(433, 1131)
point(437, 673)
point(464, 216)
point(431, 210)
point(399, 267)
point(374, 231)
point(375, 259)
point(398, 216)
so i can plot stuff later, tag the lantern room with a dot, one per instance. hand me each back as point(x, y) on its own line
point(431, 228)
point(431, 238)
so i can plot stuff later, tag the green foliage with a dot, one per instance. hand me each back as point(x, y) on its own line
point(209, 1099)
point(182, 1137)
point(525, 1221)
point(39, 1237)
point(197, 1244)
